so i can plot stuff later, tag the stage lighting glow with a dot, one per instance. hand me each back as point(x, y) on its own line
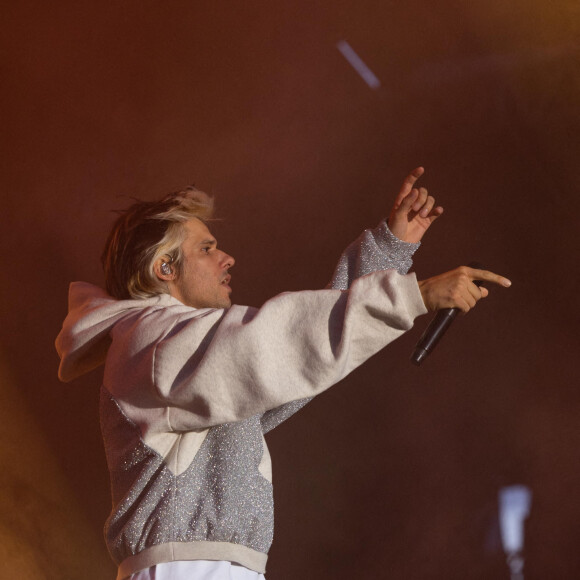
point(514, 508)
point(359, 66)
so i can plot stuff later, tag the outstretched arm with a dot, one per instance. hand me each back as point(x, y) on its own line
point(385, 247)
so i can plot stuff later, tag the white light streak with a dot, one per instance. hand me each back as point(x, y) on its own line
point(514, 507)
point(358, 65)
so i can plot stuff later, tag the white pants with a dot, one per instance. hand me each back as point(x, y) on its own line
point(197, 570)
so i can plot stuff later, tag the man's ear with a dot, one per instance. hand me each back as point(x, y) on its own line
point(164, 269)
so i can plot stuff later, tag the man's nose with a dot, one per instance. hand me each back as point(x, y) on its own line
point(228, 261)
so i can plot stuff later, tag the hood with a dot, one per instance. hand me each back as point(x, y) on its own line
point(83, 342)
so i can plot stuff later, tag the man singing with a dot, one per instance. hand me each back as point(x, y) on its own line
point(192, 383)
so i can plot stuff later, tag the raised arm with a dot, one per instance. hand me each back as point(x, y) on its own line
point(393, 242)
point(388, 246)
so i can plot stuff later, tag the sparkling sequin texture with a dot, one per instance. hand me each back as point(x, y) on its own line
point(376, 249)
point(222, 496)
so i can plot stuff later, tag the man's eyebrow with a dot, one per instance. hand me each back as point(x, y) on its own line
point(210, 242)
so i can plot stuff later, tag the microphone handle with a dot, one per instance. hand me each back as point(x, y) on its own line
point(438, 327)
point(433, 333)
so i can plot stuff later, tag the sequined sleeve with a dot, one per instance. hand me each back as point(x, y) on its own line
point(376, 249)
point(273, 418)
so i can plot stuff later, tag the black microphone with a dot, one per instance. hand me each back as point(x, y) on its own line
point(438, 327)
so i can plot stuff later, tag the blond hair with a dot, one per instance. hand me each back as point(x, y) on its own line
point(145, 232)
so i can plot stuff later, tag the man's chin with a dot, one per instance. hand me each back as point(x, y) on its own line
point(225, 303)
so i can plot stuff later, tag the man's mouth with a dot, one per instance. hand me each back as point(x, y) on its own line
point(226, 280)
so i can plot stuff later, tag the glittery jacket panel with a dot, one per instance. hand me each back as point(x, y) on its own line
point(188, 395)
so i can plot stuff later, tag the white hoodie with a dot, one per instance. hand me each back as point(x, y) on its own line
point(188, 393)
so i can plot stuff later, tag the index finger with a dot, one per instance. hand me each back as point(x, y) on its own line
point(408, 184)
point(487, 276)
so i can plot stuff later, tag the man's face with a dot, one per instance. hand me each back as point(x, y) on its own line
point(203, 281)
